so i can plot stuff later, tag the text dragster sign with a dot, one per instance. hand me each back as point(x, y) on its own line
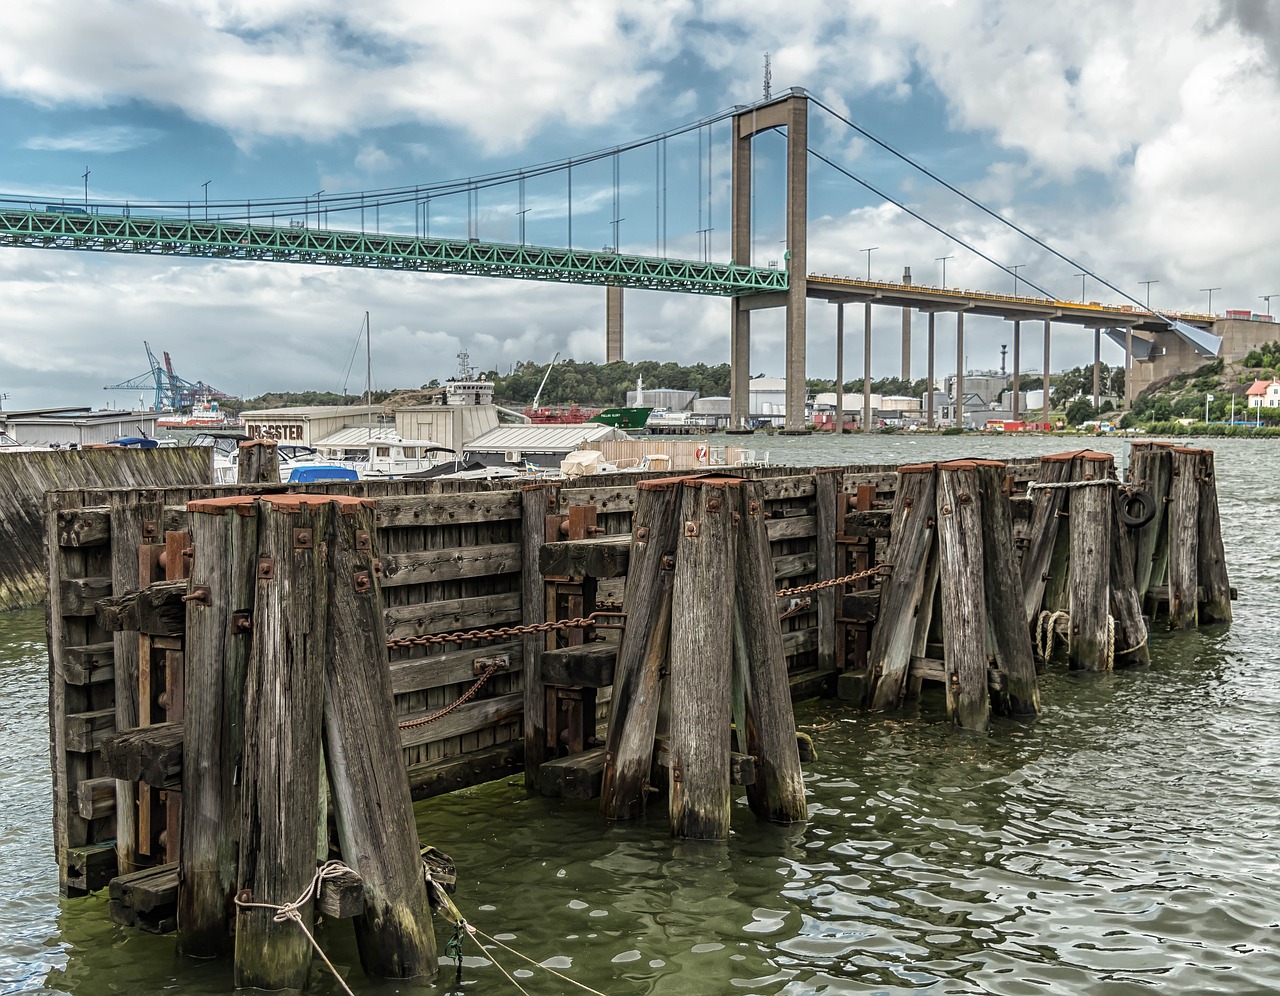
point(279, 431)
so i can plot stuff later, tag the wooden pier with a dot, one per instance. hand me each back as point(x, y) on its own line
point(636, 638)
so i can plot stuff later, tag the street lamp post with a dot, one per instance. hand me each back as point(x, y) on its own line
point(206, 198)
point(1148, 284)
point(1209, 291)
point(943, 261)
point(1083, 277)
point(1267, 298)
point(316, 195)
point(869, 250)
point(1015, 268)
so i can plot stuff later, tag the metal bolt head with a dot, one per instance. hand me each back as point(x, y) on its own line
point(303, 539)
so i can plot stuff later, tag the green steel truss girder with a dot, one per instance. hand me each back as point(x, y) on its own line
point(226, 240)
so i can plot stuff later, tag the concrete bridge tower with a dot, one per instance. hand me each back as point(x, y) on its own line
point(792, 113)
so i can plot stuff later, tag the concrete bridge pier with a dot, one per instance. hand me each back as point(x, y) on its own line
point(1017, 370)
point(613, 324)
point(1097, 367)
point(959, 405)
point(866, 368)
point(1047, 335)
point(906, 330)
point(932, 374)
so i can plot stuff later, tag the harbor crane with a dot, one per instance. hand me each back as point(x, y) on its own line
point(172, 393)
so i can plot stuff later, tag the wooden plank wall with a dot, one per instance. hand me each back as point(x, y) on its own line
point(451, 556)
point(25, 477)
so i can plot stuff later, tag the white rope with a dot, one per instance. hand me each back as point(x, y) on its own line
point(1106, 482)
point(1046, 629)
point(289, 911)
point(450, 912)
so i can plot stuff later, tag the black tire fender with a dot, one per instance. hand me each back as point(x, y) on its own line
point(1137, 508)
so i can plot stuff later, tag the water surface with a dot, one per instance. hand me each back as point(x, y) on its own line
point(1125, 842)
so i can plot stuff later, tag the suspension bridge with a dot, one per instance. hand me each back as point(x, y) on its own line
point(373, 231)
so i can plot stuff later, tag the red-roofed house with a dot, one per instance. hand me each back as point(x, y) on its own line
point(1264, 394)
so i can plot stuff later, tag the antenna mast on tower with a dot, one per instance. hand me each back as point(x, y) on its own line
point(768, 78)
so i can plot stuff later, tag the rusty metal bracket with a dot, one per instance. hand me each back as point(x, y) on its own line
point(150, 528)
point(199, 595)
point(266, 568)
point(499, 662)
point(241, 622)
point(303, 539)
point(362, 581)
point(363, 541)
point(691, 529)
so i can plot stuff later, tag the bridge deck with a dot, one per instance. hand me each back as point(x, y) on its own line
point(240, 240)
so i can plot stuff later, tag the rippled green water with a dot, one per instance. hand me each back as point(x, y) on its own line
point(1125, 842)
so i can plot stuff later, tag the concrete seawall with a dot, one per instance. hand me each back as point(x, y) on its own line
point(25, 477)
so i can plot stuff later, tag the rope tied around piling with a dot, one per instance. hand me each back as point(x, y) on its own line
point(1046, 630)
point(289, 911)
point(1108, 482)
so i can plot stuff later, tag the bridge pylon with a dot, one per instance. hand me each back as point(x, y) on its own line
point(792, 113)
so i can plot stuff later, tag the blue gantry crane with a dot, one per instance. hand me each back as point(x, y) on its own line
point(172, 393)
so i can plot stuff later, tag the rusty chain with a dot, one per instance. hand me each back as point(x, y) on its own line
point(830, 583)
point(507, 632)
point(580, 622)
point(463, 699)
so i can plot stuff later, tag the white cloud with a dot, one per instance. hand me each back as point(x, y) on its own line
point(371, 159)
point(103, 140)
point(1137, 137)
point(496, 69)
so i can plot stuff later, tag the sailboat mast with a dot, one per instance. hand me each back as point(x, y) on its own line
point(368, 370)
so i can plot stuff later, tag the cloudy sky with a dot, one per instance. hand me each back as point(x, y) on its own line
point(1139, 138)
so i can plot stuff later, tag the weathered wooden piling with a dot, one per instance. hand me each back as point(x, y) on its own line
point(1089, 587)
point(1019, 694)
point(283, 711)
point(642, 654)
point(1184, 539)
point(258, 462)
point(964, 632)
point(537, 503)
point(911, 547)
point(371, 802)
point(1046, 553)
point(701, 663)
point(218, 626)
point(1211, 560)
point(777, 791)
point(1150, 471)
point(829, 507)
point(1129, 640)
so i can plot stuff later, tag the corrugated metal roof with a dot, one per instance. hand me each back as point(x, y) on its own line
point(542, 438)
